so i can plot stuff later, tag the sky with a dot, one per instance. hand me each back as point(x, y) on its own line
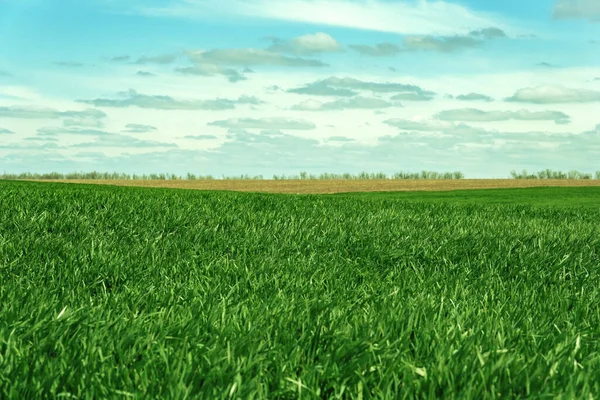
point(268, 87)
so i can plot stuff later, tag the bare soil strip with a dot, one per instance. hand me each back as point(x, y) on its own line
point(339, 186)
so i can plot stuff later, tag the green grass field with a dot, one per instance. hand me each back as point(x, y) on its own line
point(112, 292)
point(574, 197)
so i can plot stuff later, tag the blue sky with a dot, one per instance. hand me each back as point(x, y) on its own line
point(278, 87)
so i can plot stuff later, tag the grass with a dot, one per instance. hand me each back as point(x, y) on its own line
point(113, 292)
point(537, 196)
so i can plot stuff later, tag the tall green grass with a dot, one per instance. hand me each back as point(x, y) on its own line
point(112, 292)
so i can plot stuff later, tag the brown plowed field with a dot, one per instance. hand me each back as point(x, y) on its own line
point(339, 186)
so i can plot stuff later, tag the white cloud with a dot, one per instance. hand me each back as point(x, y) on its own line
point(443, 44)
point(175, 124)
point(20, 92)
point(264, 123)
point(139, 128)
point(357, 102)
point(34, 112)
point(348, 87)
point(87, 122)
point(421, 96)
point(122, 141)
point(200, 137)
point(307, 44)
point(308, 105)
point(554, 94)
point(248, 57)
point(53, 131)
point(473, 114)
point(582, 9)
point(415, 18)
point(384, 49)
point(162, 59)
point(207, 69)
point(474, 97)
point(145, 73)
point(133, 98)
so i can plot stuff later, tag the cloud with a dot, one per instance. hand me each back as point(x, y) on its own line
point(306, 45)
point(563, 121)
point(41, 139)
point(474, 97)
point(9, 97)
point(488, 33)
point(133, 98)
point(414, 17)
point(446, 44)
point(554, 94)
point(245, 99)
point(264, 123)
point(409, 125)
point(308, 105)
point(323, 88)
point(357, 102)
point(577, 9)
point(139, 128)
point(144, 73)
point(4, 131)
point(449, 44)
point(28, 147)
point(70, 64)
point(204, 69)
point(273, 88)
point(54, 130)
point(249, 57)
point(348, 87)
point(340, 139)
point(270, 142)
point(420, 96)
point(122, 141)
point(546, 65)
point(473, 114)
point(200, 137)
point(86, 122)
point(120, 58)
point(162, 59)
point(445, 127)
point(30, 112)
point(385, 49)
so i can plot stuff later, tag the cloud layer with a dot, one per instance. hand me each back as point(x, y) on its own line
point(474, 114)
point(159, 102)
point(577, 9)
point(554, 94)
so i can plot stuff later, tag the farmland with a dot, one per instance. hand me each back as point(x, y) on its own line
point(299, 186)
point(110, 292)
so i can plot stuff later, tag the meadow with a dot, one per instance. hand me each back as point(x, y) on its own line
point(130, 292)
